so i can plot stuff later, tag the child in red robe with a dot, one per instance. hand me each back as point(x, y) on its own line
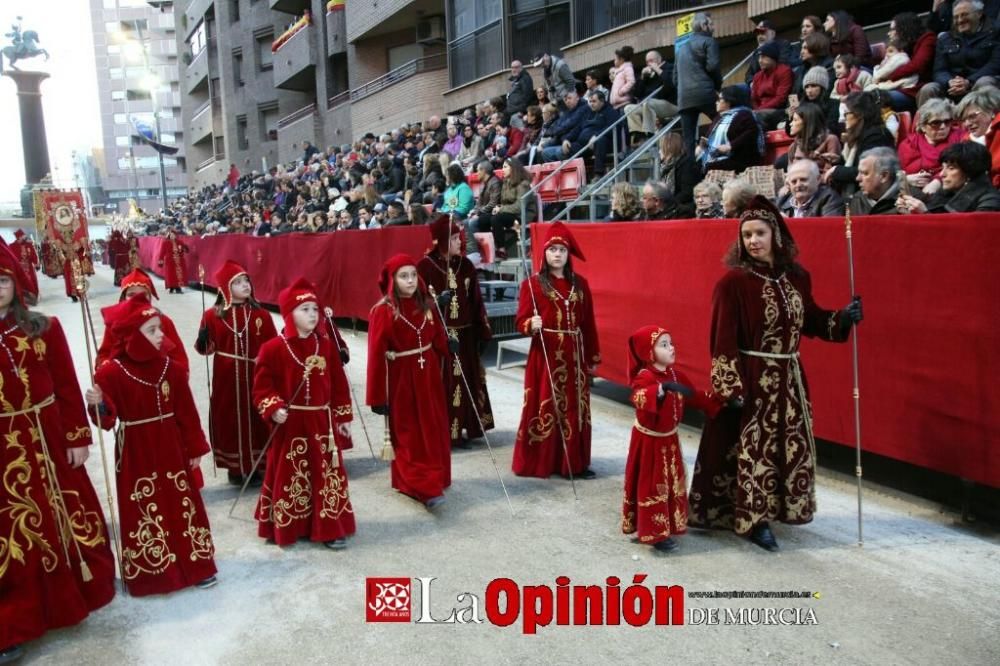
point(166, 539)
point(300, 388)
point(56, 565)
point(656, 504)
point(406, 347)
point(454, 279)
point(234, 330)
point(556, 309)
point(24, 250)
point(171, 260)
point(138, 282)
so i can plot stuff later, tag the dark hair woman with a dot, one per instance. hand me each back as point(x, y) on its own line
point(736, 139)
point(811, 138)
point(847, 37)
point(516, 184)
point(761, 308)
point(965, 183)
point(863, 130)
point(920, 44)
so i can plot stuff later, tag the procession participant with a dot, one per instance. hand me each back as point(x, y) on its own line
point(300, 388)
point(556, 308)
point(757, 461)
point(75, 260)
point(24, 250)
point(56, 565)
point(454, 279)
point(234, 329)
point(406, 348)
point(139, 282)
point(171, 260)
point(166, 539)
point(656, 503)
point(118, 256)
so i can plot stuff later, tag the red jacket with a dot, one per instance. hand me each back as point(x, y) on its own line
point(916, 154)
point(854, 43)
point(921, 63)
point(770, 88)
point(993, 144)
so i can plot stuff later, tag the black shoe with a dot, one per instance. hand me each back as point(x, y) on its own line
point(763, 537)
point(74, 299)
point(434, 502)
point(587, 474)
point(668, 545)
point(9, 655)
point(235, 478)
point(336, 544)
point(211, 581)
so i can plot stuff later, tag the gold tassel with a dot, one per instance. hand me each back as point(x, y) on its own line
point(85, 572)
point(388, 453)
point(456, 368)
point(334, 458)
point(454, 307)
point(456, 399)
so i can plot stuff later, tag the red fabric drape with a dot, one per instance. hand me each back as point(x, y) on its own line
point(928, 346)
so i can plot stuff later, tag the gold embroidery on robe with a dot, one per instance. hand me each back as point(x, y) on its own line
point(334, 491)
point(24, 513)
point(202, 547)
point(148, 550)
point(296, 505)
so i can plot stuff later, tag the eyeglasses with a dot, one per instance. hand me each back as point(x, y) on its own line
point(939, 123)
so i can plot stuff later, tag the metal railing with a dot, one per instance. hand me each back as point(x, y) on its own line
point(295, 116)
point(337, 100)
point(201, 109)
point(412, 68)
point(207, 163)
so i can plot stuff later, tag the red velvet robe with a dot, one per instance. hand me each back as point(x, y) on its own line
point(538, 450)
point(166, 538)
point(656, 503)
point(24, 250)
point(303, 494)
point(118, 259)
point(40, 587)
point(757, 464)
point(82, 254)
point(176, 352)
point(466, 321)
point(237, 431)
point(411, 387)
point(51, 259)
point(171, 260)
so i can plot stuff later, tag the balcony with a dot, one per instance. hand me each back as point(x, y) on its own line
point(401, 73)
point(197, 71)
point(406, 94)
point(290, 6)
point(336, 32)
point(295, 62)
point(195, 12)
point(201, 123)
point(296, 127)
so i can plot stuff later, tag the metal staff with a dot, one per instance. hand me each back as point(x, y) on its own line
point(81, 291)
point(208, 376)
point(256, 463)
point(328, 313)
point(475, 409)
point(548, 367)
point(854, 363)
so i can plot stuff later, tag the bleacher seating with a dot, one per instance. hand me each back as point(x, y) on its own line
point(776, 144)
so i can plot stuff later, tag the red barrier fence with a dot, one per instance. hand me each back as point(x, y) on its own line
point(928, 346)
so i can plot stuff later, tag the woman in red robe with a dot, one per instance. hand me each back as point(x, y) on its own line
point(138, 282)
point(171, 260)
point(234, 330)
point(406, 348)
point(118, 258)
point(656, 503)
point(56, 565)
point(757, 462)
point(24, 250)
point(454, 280)
point(75, 259)
point(300, 388)
point(555, 307)
point(166, 539)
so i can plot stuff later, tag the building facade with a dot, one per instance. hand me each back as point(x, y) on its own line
point(135, 50)
point(260, 76)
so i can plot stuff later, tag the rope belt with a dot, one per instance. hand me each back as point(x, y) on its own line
point(153, 419)
point(325, 407)
point(120, 433)
point(459, 326)
point(575, 331)
point(652, 433)
point(800, 389)
point(33, 409)
point(309, 408)
point(238, 358)
point(393, 355)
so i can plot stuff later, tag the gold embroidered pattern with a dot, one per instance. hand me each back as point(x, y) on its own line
point(725, 377)
point(83, 432)
point(150, 552)
point(639, 398)
point(23, 512)
point(343, 410)
point(267, 403)
point(296, 505)
point(336, 500)
point(202, 547)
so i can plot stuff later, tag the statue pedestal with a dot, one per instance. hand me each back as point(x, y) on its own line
point(33, 140)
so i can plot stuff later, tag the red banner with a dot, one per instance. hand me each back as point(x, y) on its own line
point(61, 219)
point(929, 346)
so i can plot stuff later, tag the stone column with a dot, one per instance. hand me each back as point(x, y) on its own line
point(33, 140)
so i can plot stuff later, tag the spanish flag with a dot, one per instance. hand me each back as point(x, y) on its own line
point(335, 5)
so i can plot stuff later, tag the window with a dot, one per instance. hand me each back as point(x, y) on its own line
point(269, 122)
point(117, 95)
point(198, 40)
point(596, 16)
point(265, 59)
point(145, 162)
point(400, 55)
point(238, 66)
point(167, 138)
point(475, 47)
point(121, 119)
point(138, 95)
point(234, 10)
point(538, 25)
point(242, 140)
point(116, 72)
point(124, 141)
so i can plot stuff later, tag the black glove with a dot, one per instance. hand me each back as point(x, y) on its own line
point(444, 299)
point(381, 410)
point(201, 344)
point(345, 356)
point(685, 391)
point(734, 403)
point(453, 346)
point(852, 315)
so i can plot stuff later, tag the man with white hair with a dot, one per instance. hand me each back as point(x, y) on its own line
point(806, 197)
point(655, 75)
point(967, 55)
point(878, 186)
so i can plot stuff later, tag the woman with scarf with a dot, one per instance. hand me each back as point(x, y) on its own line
point(407, 348)
point(863, 130)
point(757, 460)
point(736, 138)
point(678, 172)
point(555, 307)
